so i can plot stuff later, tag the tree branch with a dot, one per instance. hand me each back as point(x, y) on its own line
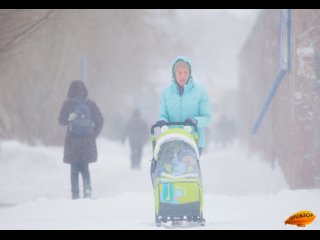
point(18, 38)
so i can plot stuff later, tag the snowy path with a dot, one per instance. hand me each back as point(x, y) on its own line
point(241, 192)
point(135, 211)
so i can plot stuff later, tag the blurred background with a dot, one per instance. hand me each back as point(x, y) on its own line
point(125, 58)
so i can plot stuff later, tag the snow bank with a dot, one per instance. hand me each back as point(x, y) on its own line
point(241, 191)
point(31, 172)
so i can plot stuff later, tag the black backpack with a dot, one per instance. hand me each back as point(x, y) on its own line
point(83, 123)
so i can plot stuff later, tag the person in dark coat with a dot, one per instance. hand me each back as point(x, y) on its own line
point(80, 150)
point(137, 132)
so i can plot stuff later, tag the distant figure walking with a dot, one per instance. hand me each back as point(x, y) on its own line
point(85, 122)
point(137, 132)
point(226, 131)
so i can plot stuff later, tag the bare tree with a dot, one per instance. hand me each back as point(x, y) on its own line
point(16, 25)
point(40, 52)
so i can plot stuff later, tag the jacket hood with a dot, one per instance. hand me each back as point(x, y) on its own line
point(77, 89)
point(190, 80)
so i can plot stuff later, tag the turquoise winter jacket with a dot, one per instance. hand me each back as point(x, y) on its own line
point(193, 103)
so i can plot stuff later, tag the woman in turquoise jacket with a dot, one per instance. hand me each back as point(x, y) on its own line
point(185, 101)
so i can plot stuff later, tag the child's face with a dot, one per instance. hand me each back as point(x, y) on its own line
point(182, 75)
point(187, 160)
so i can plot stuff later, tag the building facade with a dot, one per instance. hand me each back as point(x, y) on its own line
point(280, 109)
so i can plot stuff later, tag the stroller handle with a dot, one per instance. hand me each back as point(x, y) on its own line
point(175, 123)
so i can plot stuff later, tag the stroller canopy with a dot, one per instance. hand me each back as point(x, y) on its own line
point(177, 159)
point(173, 135)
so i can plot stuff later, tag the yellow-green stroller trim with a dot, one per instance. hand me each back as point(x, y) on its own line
point(176, 176)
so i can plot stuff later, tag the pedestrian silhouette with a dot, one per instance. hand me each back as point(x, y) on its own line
point(137, 131)
point(84, 123)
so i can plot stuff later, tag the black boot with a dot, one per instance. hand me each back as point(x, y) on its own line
point(87, 192)
point(75, 196)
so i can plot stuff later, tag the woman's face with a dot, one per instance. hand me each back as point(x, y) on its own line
point(182, 76)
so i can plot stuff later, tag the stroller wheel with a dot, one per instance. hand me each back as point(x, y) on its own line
point(202, 221)
point(158, 221)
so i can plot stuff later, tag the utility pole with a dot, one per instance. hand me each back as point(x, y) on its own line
point(84, 70)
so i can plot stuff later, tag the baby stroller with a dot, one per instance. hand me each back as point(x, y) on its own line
point(175, 174)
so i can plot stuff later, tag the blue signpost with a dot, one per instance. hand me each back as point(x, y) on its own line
point(84, 70)
point(284, 63)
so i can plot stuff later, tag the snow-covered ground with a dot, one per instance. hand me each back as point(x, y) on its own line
point(241, 191)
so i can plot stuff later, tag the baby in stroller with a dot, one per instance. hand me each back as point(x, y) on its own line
point(181, 164)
